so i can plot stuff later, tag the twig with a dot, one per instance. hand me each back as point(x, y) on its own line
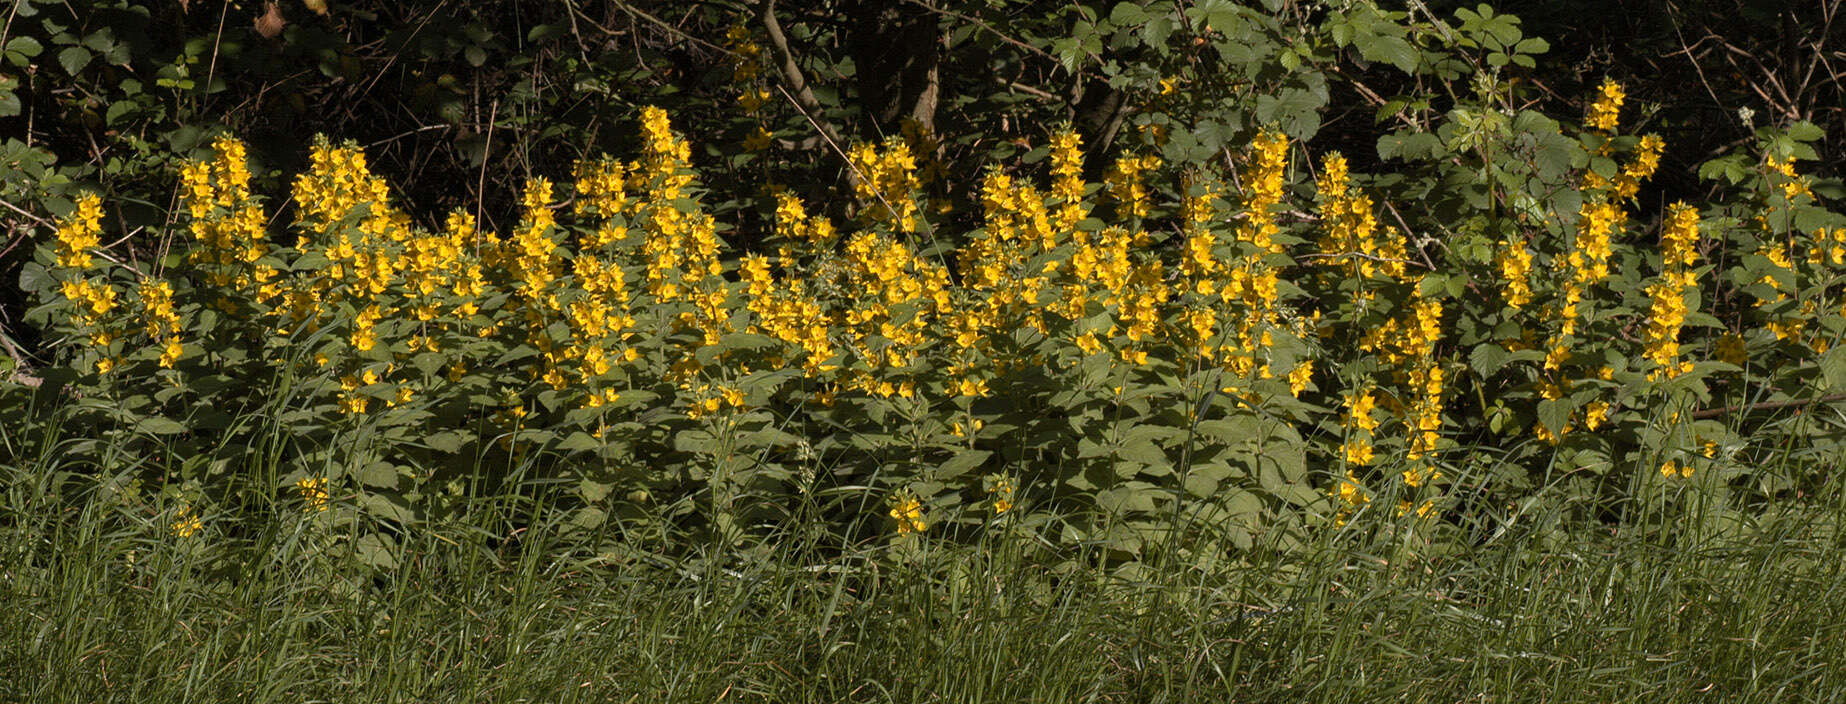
point(1361, 255)
point(978, 22)
point(394, 138)
point(29, 215)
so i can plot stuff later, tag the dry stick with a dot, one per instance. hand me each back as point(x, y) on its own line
point(1768, 405)
point(28, 214)
point(663, 24)
point(791, 71)
point(978, 22)
point(480, 184)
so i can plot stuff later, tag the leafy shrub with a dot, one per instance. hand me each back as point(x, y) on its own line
point(1227, 366)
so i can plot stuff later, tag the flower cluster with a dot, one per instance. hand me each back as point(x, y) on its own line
point(1606, 111)
point(886, 182)
point(1678, 254)
point(79, 233)
point(907, 512)
point(1125, 184)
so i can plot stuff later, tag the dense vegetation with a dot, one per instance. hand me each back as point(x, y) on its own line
point(1269, 349)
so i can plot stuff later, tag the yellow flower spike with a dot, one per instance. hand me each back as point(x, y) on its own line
point(886, 182)
point(1515, 262)
point(1605, 112)
point(79, 232)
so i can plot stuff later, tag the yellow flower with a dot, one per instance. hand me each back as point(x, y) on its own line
point(314, 493)
point(79, 232)
point(1606, 111)
point(1350, 492)
point(170, 354)
point(1515, 263)
point(1418, 476)
point(1357, 452)
point(1124, 183)
point(971, 387)
point(758, 139)
point(186, 522)
point(1002, 490)
point(886, 182)
point(1423, 510)
point(1300, 377)
point(907, 511)
point(1669, 310)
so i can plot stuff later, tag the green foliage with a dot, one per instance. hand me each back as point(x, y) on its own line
point(1164, 415)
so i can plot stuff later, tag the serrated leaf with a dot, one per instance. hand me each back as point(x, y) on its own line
point(1486, 359)
point(73, 59)
point(1143, 452)
point(24, 46)
point(1805, 131)
point(1393, 50)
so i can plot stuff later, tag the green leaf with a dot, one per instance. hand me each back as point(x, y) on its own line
point(1143, 452)
point(1409, 146)
point(22, 49)
point(961, 463)
point(1833, 368)
point(1486, 359)
point(448, 441)
point(375, 550)
point(1805, 131)
point(34, 278)
point(73, 59)
point(1295, 110)
point(1394, 50)
point(1555, 414)
point(579, 441)
point(159, 426)
point(1127, 14)
point(379, 474)
point(695, 441)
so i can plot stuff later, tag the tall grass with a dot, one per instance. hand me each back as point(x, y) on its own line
point(102, 603)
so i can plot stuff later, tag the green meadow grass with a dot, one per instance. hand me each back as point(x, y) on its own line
point(97, 605)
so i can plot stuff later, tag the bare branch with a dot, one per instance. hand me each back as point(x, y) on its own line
point(799, 90)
